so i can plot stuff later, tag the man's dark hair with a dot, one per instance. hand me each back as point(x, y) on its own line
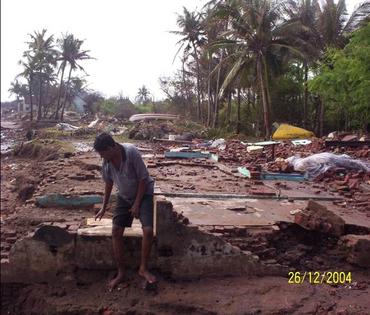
point(103, 141)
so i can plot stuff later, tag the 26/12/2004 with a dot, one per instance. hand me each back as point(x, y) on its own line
point(317, 277)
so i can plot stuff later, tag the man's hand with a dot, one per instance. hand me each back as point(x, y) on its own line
point(135, 211)
point(100, 214)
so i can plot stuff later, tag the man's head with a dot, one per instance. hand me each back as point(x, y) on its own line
point(105, 145)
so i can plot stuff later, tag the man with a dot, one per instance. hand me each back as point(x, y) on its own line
point(124, 167)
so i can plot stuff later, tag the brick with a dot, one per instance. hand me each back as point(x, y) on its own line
point(317, 217)
point(7, 234)
point(357, 249)
point(11, 240)
point(4, 255)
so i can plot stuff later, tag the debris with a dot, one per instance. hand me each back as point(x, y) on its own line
point(116, 131)
point(316, 217)
point(181, 153)
point(339, 143)
point(350, 138)
point(53, 235)
point(244, 171)
point(58, 200)
point(295, 211)
point(320, 163)
point(262, 143)
point(219, 143)
point(66, 127)
point(357, 248)
point(147, 130)
point(301, 142)
point(283, 176)
point(93, 123)
point(149, 116)
point(254, 148)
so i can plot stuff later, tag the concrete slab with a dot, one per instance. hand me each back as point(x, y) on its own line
point(104, 228)
point(253, 212)
point(228, 211)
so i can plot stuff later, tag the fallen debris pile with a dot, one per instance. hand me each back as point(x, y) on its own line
point(43, 150)
point(318, 164)
point(149, 130)
point(316, 217)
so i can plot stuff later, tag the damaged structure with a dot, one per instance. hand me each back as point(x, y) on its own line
point(220, 211)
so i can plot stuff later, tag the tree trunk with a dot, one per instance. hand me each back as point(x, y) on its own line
point(186, 94)
point(321, 118)
point(20, 109)
point(30, 82)
point(59, 93)
point(65, 94)
point(238, 113)
point(209, 107)
point(198, 84)
point(46, 104)
point(305, 98)
point(228, 117)
point(265, 104)
point(215, 116)
point(40, 101)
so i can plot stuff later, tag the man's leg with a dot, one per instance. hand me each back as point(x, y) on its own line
point(117, 238)
point(145, 253)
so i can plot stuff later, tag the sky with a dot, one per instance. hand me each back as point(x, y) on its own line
point(130, 39)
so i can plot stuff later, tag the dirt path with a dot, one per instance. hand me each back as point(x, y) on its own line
point(267, 295)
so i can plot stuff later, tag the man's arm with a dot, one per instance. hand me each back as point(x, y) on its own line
point(142, 175)
point(107, 193)
point(139, 196)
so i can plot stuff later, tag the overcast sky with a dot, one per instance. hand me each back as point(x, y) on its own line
point(129, 38)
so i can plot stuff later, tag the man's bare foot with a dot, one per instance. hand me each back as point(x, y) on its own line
point(115, 282)
point(147, 275)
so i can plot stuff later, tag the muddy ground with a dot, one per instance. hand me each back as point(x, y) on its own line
point(30, 174)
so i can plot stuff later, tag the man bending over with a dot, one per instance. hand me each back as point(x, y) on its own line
point(124, 167)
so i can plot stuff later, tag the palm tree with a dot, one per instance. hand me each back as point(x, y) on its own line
point(307, 13)
point(192, 34)
point(18, 89)
point(70, 54)
point(42, 51)
point(143, 95)
point(28, 73)
point(257, 36)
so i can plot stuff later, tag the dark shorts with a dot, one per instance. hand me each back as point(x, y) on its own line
point(123, 218)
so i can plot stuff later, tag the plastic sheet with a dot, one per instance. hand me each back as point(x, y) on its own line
point(317, 164)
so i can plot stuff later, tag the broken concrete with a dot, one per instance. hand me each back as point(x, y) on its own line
point(317, 217)
point(357, 249)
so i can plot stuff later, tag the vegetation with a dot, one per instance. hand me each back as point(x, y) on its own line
point(244, 65)
point(247, 63)
point(344, 81)
point(44, 66)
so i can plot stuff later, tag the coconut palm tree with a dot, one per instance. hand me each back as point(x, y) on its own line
point(257, 37)
point(29, 65)
point(143, 95)
point(192, 34)
point(18, 89)
point(41, 50)
point(70, 55)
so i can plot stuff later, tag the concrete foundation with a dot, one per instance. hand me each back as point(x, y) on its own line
point(180, 251)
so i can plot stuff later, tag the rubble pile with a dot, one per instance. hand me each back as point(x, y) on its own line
point(147, 130)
